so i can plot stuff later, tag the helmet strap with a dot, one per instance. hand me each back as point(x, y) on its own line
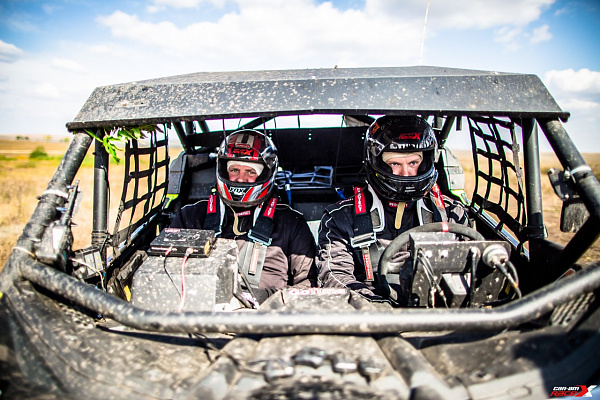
point(236, 222)
point(399, 214)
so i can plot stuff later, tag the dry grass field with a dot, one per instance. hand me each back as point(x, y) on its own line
point(22, 180)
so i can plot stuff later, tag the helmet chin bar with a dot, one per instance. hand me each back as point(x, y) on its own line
point(402, 188)
point(244, 194)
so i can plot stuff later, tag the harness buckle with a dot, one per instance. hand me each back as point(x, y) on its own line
point(364, 240)
point(258, 238)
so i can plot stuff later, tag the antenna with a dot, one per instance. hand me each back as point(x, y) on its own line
point(423, 38)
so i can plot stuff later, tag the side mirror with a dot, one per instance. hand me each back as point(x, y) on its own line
point(573, 213)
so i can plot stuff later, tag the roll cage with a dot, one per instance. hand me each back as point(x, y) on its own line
point(502, 110)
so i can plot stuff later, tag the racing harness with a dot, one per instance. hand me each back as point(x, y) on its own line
point(253, 253)
point(367, 224)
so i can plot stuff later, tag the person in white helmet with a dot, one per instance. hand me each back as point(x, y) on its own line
point(277, 249)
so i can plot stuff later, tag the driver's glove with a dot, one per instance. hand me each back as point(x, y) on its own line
point(369, 295)
point(400, 257)
point(264, 294)
point(398, 261)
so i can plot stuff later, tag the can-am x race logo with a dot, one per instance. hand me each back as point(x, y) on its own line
point(572, 391)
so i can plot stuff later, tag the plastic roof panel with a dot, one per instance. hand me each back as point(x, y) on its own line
point(431, 90)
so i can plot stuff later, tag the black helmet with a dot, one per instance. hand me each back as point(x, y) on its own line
point(251, 147)
point(404, 134)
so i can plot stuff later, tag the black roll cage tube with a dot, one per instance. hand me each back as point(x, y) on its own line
point(526, 309)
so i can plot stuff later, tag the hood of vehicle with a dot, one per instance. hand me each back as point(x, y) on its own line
point(65, 350)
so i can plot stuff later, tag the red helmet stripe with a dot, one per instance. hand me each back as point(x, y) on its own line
point(248, 195)
point(262, 194)
point(224, 191)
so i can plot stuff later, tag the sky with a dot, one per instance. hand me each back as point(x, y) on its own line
point(53, 53)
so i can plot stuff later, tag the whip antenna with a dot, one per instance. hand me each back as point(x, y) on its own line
point(423, 38)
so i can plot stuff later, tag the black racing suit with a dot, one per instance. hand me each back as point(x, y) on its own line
point(341, 265)
point(289, 260)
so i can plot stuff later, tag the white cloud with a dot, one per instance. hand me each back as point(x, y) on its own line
point(271, 34)
point(9, 52)
point(160, 5)
point(578, 92)
point(187, 3)
point(33, 86)
point(295, 33)
point(127, 26)
point(541, 34)
point(67, 64)
point(570, 82)
point(561, 11)
point(47, 90)
point(588, 107)
point(509, 36)
point(508, 18)
point(291, 33)
point(464, 14)
point(50, 8)
point(513, 37)
point(21, 23)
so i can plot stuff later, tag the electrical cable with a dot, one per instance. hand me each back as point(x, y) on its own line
point(167, 252)
point(434, 285)
point(514, 281)
point(513, 270)
point(96, 270)
point(188, 252)
point(242, 300)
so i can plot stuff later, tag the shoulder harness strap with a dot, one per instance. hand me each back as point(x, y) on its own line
point(432, 208)
point(252, 255)
point(364, 236)
point(439, 214)
point(212, 221)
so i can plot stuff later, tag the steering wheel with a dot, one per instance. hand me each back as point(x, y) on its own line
point(402, 239)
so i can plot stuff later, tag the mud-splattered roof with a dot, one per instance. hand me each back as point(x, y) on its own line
point(359, 91)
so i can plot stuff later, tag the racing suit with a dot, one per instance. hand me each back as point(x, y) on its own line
point(342, 265)
point(289, 259)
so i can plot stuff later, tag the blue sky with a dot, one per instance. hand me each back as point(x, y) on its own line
point(53, 53)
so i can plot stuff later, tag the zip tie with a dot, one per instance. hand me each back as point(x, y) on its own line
point(56, 192)
point(580, 169)
point(24, 250)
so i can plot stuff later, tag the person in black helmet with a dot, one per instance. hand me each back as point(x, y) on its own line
point(276, 246)
point(401, 193)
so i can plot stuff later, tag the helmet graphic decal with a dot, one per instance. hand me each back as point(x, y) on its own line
point(409, 136)
point(244, 145)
